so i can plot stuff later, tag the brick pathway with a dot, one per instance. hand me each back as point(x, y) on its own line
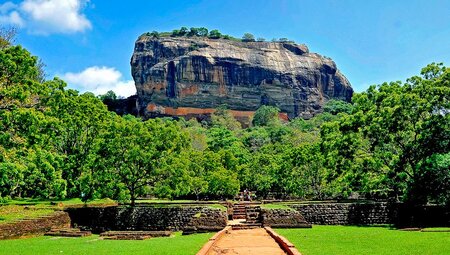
point(245, 242)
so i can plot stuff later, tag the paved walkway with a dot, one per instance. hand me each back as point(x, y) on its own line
point(245, 242)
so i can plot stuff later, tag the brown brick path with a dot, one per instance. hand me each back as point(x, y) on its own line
point(245, 242)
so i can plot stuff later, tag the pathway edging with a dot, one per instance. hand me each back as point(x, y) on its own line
point(205, 249)
point(287, 246)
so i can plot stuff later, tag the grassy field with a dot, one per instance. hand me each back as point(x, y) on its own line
point(276, 206)
point(31, 208)
point(66, 202)
point(366, 240)
point(177, 245)
point(15, 212)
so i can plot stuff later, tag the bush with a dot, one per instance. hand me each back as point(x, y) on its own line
point(4, 200)
point(265, 116)
point(214, 34)
point(247, 37)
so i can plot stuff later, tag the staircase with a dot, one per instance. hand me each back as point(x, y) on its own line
point(252, 215)
point(239, 211)
point(246, 216)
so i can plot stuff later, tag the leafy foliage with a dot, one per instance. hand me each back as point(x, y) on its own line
point(265, 116)
point(247, 37)
point(391, 142)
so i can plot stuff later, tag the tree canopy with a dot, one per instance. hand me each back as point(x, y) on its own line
point(391, 142)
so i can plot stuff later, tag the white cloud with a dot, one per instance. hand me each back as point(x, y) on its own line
point(100, 80)
point(47, 16)
point(12, 18)
point(9, 16)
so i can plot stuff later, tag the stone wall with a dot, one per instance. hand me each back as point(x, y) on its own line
point(347, 213)
point(398, 214)
point(146, 217)
point(206, 221)
point(38, 226)
point(283, 218)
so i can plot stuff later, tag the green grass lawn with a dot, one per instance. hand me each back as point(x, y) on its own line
point(33, 208)
point(177, 245)
point(276, 206)
point(65, 202)
point(366, 240)
point(11, 213)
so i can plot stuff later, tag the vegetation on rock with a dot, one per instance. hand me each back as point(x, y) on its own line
point(202, 32)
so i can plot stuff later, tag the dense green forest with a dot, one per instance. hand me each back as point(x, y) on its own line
point(391, 142)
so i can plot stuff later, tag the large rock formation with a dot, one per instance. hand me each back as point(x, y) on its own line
point(180, 76)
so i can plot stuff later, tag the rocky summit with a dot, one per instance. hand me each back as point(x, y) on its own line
point(191, 76)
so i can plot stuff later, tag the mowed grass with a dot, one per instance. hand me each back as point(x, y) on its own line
point(177, 245)
point(366, 240)
point(33, 208)
point(276, 206)
point(65, 202)
point(11, 213)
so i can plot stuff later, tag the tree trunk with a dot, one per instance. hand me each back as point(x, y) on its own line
point(132, 196)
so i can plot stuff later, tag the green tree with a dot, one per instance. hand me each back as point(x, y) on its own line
point(197, 173)
point(221, 138)
point(183, 31)
point(222, 117)
point(18, 75)
point(394, 128)
point(307, 176)
point(43, 175)
point(434, 179)
point(265, 166)
point(79, 123)
point(255, 138)
point(108, 96)
point(334, 107)
point(265, 116)
point(154, 34)
point(136, 152)
point(202, 31)
point(223, 183)
point(247, 37)
point(214, 34)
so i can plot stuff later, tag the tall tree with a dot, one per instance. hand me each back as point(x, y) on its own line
point(266, 115)
point(400, 126)
point(135, 151)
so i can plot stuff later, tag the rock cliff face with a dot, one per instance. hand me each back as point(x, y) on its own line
point(179, 76)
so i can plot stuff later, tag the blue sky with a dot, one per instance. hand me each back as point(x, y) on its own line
point(90, 43)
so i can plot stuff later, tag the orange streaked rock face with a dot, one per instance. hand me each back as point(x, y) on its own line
point(191, 111)
point(188, 76)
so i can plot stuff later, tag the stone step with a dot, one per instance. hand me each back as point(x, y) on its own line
point(245, 226)
point(68, 232)
point(134, 235)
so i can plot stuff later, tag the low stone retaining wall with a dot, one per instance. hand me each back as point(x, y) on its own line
point(398, 214)
point(206, 221)
point(283, 218)
point(347, 213)
point(146, 218)
point(38, 226)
